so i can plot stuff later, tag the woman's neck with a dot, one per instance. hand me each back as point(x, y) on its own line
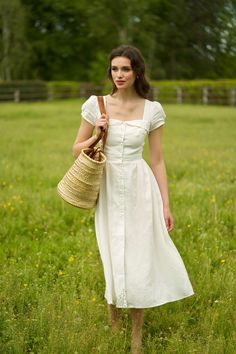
point(126, 94)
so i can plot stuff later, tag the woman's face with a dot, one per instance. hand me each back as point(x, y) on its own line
point(122, 73)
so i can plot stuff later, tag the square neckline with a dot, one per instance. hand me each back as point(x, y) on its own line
point(128, 120)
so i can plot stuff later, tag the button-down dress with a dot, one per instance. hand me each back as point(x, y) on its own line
point(141, 264)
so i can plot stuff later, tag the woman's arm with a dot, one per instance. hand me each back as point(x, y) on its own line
point(84, 136)
point(159, 171)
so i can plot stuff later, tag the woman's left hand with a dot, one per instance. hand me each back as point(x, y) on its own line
point(169, 220)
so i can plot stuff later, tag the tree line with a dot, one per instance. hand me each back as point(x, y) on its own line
point(72, 39)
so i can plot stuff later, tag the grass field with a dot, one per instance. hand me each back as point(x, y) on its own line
point(52, 284)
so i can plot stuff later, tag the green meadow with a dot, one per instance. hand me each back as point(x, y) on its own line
point(52, 283)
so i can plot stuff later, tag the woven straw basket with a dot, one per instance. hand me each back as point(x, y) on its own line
point(80, 185)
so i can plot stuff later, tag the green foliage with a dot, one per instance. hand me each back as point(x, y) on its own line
point(52, 283)
point(195, 83)
point(107, 87)
point(70, 39)
point(14, 46)
point(63, 89)
point(58, 33)
point(97, 71)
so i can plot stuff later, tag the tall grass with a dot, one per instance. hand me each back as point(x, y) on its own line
point(52, 284)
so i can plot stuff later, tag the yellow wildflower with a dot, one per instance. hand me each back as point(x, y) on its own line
point(71, 259)
point(222, 261)
point(213, 199)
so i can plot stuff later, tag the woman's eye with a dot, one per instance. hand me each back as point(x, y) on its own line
point(124, 69)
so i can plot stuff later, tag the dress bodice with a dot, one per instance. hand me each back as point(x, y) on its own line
point(125, 139)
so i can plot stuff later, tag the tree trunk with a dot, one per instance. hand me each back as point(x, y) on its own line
point(6, 65)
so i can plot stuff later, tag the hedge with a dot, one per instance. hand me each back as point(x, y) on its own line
point(196, 91)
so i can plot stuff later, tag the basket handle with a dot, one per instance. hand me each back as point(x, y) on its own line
point(103, 134)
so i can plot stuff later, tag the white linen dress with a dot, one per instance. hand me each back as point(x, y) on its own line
point(141, 264)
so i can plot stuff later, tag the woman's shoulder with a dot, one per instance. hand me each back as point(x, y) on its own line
point(91, 100)
point(155, 104)
point(157, 115)
point(89, 109)
point(155, 107)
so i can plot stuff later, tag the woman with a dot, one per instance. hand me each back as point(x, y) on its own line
point(141, 264)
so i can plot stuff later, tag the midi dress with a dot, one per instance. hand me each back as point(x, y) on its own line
point(142, 266)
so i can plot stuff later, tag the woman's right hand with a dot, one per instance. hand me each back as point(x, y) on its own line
point(102, 123)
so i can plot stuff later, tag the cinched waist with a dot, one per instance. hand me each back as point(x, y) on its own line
point(124, 159)
point(121, 155)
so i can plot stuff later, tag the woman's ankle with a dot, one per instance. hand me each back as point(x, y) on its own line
point(114, 317)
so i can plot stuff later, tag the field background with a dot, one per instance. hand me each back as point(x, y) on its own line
point(52, 284)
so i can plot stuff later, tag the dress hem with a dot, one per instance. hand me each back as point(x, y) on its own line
point(158, 304)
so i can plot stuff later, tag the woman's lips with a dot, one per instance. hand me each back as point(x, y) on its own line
point(120, 82)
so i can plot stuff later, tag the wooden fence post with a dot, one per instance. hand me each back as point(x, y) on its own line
point(82, 92)
point(179, 94)
point(233, 97)
point(50, 94)
point(17, 95)
point(205, 95)
point(155, 93)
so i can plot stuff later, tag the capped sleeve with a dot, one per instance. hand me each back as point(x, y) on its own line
point(158, 116)
point(89, 110)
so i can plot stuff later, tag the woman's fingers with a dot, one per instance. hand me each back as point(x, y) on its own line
point(104, 116)
point(103, 121)
point(169, 223)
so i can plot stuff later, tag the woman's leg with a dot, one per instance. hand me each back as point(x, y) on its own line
point(114, 317)
point(137, 317)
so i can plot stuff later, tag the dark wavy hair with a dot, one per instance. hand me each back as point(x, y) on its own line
point(141, 84)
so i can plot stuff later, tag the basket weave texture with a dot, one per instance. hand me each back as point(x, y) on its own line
point(80, 185)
